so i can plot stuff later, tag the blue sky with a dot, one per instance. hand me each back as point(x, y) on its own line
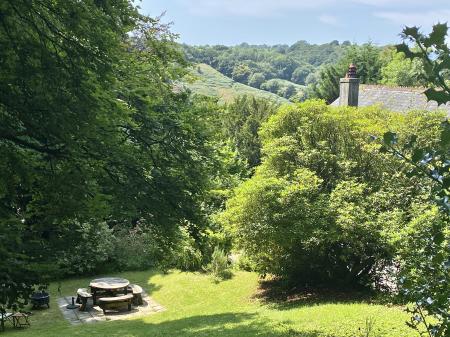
point(231, 22)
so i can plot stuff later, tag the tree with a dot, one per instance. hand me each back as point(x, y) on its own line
point(241, 73)
point(289, 91)
point(301, 73)
point(272, 86)
point(242, 120)
point(426, 272)
point(325, 205)
point(256, 80)
point(90, 132)
point(368, 64)
point(327, 83)
point(402, 71)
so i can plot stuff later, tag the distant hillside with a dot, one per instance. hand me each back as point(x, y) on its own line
point(259, 65)
point(209, 82)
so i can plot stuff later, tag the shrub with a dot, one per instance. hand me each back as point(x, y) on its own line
point(186, 255)
point(91, 249)
point(139, 249)
point(219, 266)
point(325, 205)
point(243, 262)
point(136, 249)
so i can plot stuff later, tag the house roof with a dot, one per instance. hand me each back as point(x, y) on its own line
point(399, 99)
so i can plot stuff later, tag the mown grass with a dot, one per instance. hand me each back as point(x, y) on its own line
point(207, 81)
point(197, 306)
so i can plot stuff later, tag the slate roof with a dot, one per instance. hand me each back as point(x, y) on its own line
point(399, 99)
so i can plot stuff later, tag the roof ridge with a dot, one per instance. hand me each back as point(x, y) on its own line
point(394, 87)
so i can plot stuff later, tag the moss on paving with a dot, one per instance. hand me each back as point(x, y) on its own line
point(197, 306)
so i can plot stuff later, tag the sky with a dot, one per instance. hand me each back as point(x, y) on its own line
point(231, 22)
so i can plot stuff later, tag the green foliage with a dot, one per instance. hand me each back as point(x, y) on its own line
point(250, 64)
point(241, 73)
point(219, 265)
point(324, 205)
point(426, 261)
point(424, 245)
point(434, 52)
point(256, 80)
point(211, 83)
point(243, 262)
point(401, 71)
point(186, 254)
point(139, 249)
point(91, 132)
point(241, 121)
point(368, 330)
point(326, 84)
point(368, 64)
point(90, 248)
point(283, 88)
point(301, 73)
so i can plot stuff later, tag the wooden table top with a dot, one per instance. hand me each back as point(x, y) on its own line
point(109, 283)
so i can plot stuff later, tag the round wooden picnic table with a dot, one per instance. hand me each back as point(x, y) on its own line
point(108, 284)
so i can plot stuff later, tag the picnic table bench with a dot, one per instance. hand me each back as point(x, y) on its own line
point(137, 294)
point(110, 303)
point(82, 297)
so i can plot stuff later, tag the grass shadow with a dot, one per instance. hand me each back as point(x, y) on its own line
point(275, 294)
point(217, 325)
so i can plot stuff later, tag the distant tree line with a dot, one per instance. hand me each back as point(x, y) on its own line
point(304, 70)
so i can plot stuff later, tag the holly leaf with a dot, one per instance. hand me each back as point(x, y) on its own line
point(437, 36)
point(411, 32)
point(446, 182)
point(439, 96)
point(390, 138)
point(418, 155)
point(445, 135)
point(444, 64)
point(404, 48)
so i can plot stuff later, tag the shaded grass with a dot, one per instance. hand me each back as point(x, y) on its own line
point(197, 306)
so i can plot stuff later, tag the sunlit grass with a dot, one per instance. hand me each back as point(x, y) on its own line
point(197, 306)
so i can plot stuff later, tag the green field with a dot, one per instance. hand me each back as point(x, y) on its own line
point(197, 306)
point(205, 80)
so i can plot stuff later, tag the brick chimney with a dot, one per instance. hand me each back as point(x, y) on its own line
point(349, 88)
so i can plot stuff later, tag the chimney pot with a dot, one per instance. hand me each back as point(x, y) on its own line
point(349, 88)
point(351, 73)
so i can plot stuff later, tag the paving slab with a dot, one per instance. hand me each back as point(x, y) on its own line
point(95, 314)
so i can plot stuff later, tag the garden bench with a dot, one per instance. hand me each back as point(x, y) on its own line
point(137, 294)
point(82, 297)
point(20, 320)
point(113, 303)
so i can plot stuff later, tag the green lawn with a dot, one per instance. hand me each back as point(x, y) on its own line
point(196, 306)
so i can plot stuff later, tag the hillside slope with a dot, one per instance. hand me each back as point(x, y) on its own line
point(209, 82)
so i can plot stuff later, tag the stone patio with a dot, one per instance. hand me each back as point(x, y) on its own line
point(94, 314)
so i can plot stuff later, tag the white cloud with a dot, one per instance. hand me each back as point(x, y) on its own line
point(329, 20)
point(426, 18)
point(268, 8)
point(395, 3)
point(256, 8)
